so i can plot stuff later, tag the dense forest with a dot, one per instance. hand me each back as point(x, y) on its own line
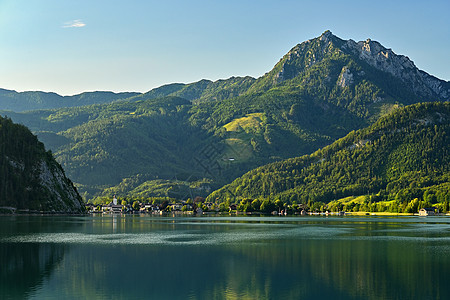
point(30, 178)
point(402, 159)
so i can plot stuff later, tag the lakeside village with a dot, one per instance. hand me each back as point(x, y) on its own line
point(198, 206)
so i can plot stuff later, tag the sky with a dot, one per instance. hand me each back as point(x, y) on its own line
point(70, 47)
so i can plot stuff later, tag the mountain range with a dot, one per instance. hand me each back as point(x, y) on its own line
point(188, 139)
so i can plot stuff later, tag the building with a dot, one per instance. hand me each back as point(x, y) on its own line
point(426, 212)
point(114, 207)
point(176, 207)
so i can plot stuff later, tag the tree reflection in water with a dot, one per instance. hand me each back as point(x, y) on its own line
point(25, 266)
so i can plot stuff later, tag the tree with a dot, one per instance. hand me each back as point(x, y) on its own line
point(256, 204)
point(429, 196)
point(267, 206)
point(164, 205)
point(223, 206)
point(279, 204)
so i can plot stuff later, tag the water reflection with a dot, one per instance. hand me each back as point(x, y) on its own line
point(137, 257)
point(24, 267)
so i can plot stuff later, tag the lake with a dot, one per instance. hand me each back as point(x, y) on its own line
point(232, 257)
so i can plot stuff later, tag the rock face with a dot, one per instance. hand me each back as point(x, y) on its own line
point(400, 66)
point(30, 178)
point(346, 77)
point(62, 195)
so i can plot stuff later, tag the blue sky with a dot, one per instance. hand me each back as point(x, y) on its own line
point(68, 46)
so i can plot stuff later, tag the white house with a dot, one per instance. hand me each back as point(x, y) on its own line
point(426, 212)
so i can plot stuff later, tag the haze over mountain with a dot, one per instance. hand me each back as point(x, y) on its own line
point(156, 142)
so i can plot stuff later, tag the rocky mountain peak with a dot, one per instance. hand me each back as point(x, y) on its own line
point(376, 55)
point(303, 56)
point(327, 36)
point(373, 53)
point(368, 52)
point(400, 66)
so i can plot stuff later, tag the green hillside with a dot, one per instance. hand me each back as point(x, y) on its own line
point(144, 140)
point(402, 156)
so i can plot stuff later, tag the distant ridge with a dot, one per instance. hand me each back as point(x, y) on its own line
point(25, 101)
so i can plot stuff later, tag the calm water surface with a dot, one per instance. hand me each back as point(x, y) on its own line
point(149, 257)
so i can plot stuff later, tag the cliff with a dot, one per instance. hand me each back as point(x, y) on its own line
point(30, 178)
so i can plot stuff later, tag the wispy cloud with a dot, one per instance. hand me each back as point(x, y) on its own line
point(74, 24)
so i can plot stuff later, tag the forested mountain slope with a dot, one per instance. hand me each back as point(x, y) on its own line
point(134, 141)
point(402, 156)
point(30, 178)
point(204, 90)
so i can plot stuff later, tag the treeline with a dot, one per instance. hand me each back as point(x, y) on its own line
point(367, 203)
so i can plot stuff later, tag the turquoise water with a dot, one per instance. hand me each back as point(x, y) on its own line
point(154, 257)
